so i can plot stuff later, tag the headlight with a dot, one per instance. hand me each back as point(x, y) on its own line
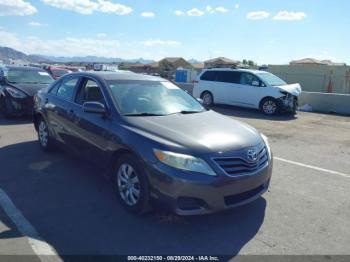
point(266, 141)
point(15, 92)
point(184, 162)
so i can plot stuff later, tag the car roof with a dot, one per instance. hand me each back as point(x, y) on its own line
point(21, 67)
point(120, 75)
point(235, 70)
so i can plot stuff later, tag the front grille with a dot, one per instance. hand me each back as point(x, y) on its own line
point(236, 166)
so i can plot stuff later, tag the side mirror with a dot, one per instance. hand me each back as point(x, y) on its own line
point(94, 107)
point(255, 83)
point(200, 100)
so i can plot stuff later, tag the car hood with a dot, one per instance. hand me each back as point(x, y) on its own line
point(30, 89)
point(294, 89)
point(200, 133)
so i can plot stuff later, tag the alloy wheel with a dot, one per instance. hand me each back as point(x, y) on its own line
point(207, 99)
point(269, 107)
point(43, 134)
point(128, 184)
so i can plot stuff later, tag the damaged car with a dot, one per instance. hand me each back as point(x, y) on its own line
point(247, 88)
point(18, 85)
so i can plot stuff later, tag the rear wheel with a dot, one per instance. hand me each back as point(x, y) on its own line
point(207, 98)
point(44, 138)
point(131, 185)
point(269, 106)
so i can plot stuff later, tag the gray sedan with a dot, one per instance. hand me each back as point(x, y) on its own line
point(155, 142)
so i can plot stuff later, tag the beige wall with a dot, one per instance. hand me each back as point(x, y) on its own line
point(315, 78)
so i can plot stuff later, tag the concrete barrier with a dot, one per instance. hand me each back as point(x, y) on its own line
point(326, 103)
point(320, 102)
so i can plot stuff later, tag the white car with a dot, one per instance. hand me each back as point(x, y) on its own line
point(247, 88)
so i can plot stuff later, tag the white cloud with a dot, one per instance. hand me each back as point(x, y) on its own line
point(101, 35)
point(179, 13)
point(158, 42)
point(87, 7)
point(210, 9)
point(34, 24)
point(221, 9)
point(195, 12)
point(147, 14)
point(256, 15)
point(236, 6)
point(290, 16)
point(109, 7)
point(68, 46)
point(16, 8)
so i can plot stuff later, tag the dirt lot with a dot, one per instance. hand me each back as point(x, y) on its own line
point(73, 210)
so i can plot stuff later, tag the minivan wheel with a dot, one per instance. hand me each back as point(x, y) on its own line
point(207, 98)
point(44, 135)
point(269, 106)
point(132, 185)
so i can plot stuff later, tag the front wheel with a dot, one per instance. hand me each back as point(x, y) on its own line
point(132, 185)
point(269, 106)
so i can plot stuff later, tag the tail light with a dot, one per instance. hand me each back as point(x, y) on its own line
point(195, 82)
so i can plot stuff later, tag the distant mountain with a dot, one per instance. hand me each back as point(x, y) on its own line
point(95, 59)
point(8, 54)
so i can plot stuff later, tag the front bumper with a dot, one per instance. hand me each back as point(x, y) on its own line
point(20, 106)
point(187, 193)
point(288, 103)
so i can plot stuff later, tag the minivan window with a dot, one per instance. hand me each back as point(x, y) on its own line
point(66, 89)
point(152, 98)
point(248, 78)
point(209, 76)
point(271, 79)
point(228, 77)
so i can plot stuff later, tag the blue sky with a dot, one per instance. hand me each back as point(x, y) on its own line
point(266, 31)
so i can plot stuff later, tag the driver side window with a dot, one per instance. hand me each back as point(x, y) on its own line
point(248, 79)
point(89, 92)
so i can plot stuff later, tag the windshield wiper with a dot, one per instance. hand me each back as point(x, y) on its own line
point(189, 112)
point(143, 114)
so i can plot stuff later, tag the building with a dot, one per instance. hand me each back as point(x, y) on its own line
point(221, 62)
point(168, 66)
point(315, 76)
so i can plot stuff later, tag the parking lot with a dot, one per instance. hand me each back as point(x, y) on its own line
point(68, 208)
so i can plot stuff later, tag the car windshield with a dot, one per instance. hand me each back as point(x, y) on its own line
point(146, 98)
point(28, 76)
point(271, 79)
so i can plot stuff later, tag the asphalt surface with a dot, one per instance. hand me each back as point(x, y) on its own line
point(74, 209)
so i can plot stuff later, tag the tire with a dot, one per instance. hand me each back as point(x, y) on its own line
point(131, 184)
point(207, 98)
point(4, 109)
point(44, 138)
point(269, 106)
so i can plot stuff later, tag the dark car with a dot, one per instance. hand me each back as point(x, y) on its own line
point(18, 85)
point(157, 143)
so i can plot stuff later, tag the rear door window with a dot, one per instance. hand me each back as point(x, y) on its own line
point(228, 77)
point(67, 88)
